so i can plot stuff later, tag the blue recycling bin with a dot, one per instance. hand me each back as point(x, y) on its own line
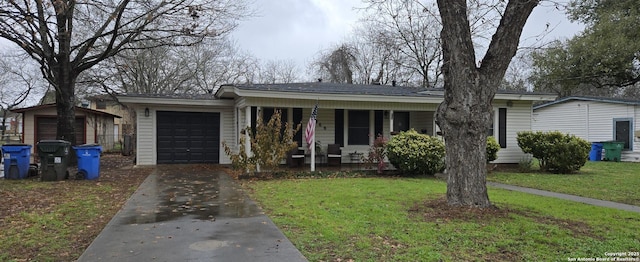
point(596, 151)
point(88, 161)
point(16, 160)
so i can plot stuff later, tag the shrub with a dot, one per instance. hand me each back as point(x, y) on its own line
point(416, 154)
point(492, 149)
point(525, 165)
point(377, 153)
point(556, 152)
point(269, 145)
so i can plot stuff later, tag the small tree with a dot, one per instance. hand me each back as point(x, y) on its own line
point(377, 153)
point(269, 145)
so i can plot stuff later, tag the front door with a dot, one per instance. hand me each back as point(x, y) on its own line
point(622, 131)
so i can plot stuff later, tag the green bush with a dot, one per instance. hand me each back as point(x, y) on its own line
point(556, 152)
point(492, 149)
point(416, 154)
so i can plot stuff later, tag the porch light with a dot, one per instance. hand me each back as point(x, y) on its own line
point(509, 103)
point(146, 112)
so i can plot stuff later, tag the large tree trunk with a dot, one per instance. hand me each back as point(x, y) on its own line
point(65, 76)
point(65, 101)
point(466, 112)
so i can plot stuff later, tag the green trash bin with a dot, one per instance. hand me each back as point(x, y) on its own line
point(612, 150)
point(54, 159)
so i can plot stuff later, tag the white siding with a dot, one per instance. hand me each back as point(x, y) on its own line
point(146, 137)
point(518, 119)
point(565, 117)
point(590, 120)
point(227, 132)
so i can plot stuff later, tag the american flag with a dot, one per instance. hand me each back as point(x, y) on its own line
point(311, 127)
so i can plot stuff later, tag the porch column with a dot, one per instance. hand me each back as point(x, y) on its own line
point(247, 120)
point(390, 122)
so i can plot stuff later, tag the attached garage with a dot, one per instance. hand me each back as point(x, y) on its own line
point(188, 137)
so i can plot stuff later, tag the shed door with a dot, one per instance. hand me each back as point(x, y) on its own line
point(622, 131)
point(46, 127)
point(188, 137)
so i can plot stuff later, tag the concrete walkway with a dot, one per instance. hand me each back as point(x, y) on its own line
point(586, 200)
point(182, 213)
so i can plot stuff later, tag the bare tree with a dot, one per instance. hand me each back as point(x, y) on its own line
point(470, 86)
point(17, 81)
point(278, 71)
point(221, 62)
point(67, 37)
point(414, 28)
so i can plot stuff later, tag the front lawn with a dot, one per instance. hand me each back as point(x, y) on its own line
point(406, 219)
point(613, 181)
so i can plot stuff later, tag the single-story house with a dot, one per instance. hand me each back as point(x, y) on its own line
point(40, 123)
point(191, 129)
point(594, 119)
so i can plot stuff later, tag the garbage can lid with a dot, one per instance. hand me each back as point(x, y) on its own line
point(87, 145)
point(54, 142)
point(16, 144)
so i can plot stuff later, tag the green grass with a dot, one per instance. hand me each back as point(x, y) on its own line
point(613, 181)
point(383, 219)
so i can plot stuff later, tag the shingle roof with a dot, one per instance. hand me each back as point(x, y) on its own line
point(335, 88)
point(590, 98)
point(177, 96)
point(39, 107)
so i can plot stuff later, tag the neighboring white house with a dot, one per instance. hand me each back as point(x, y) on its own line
point(594, 119)
point(191, 129)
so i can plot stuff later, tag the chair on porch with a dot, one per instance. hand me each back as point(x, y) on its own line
point(295, 157)
point(334, 155)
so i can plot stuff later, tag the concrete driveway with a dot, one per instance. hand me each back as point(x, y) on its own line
point(190, 213)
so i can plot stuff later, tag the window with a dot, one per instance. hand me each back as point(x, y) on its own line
point(400, 121)
point(101, 104)
point(358, 127)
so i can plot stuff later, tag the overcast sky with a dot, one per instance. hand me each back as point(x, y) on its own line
point(297, 29)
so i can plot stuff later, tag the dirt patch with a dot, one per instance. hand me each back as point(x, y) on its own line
point(438, 209)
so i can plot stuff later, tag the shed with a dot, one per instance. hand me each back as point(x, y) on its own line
point(92, 126)
point(594, 119)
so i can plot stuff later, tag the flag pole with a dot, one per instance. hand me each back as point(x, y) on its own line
point(313, 152)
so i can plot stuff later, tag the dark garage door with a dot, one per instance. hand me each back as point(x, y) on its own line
point(188, 137)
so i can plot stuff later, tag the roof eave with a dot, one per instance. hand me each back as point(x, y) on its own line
point(526, 97)
point(147, 101)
